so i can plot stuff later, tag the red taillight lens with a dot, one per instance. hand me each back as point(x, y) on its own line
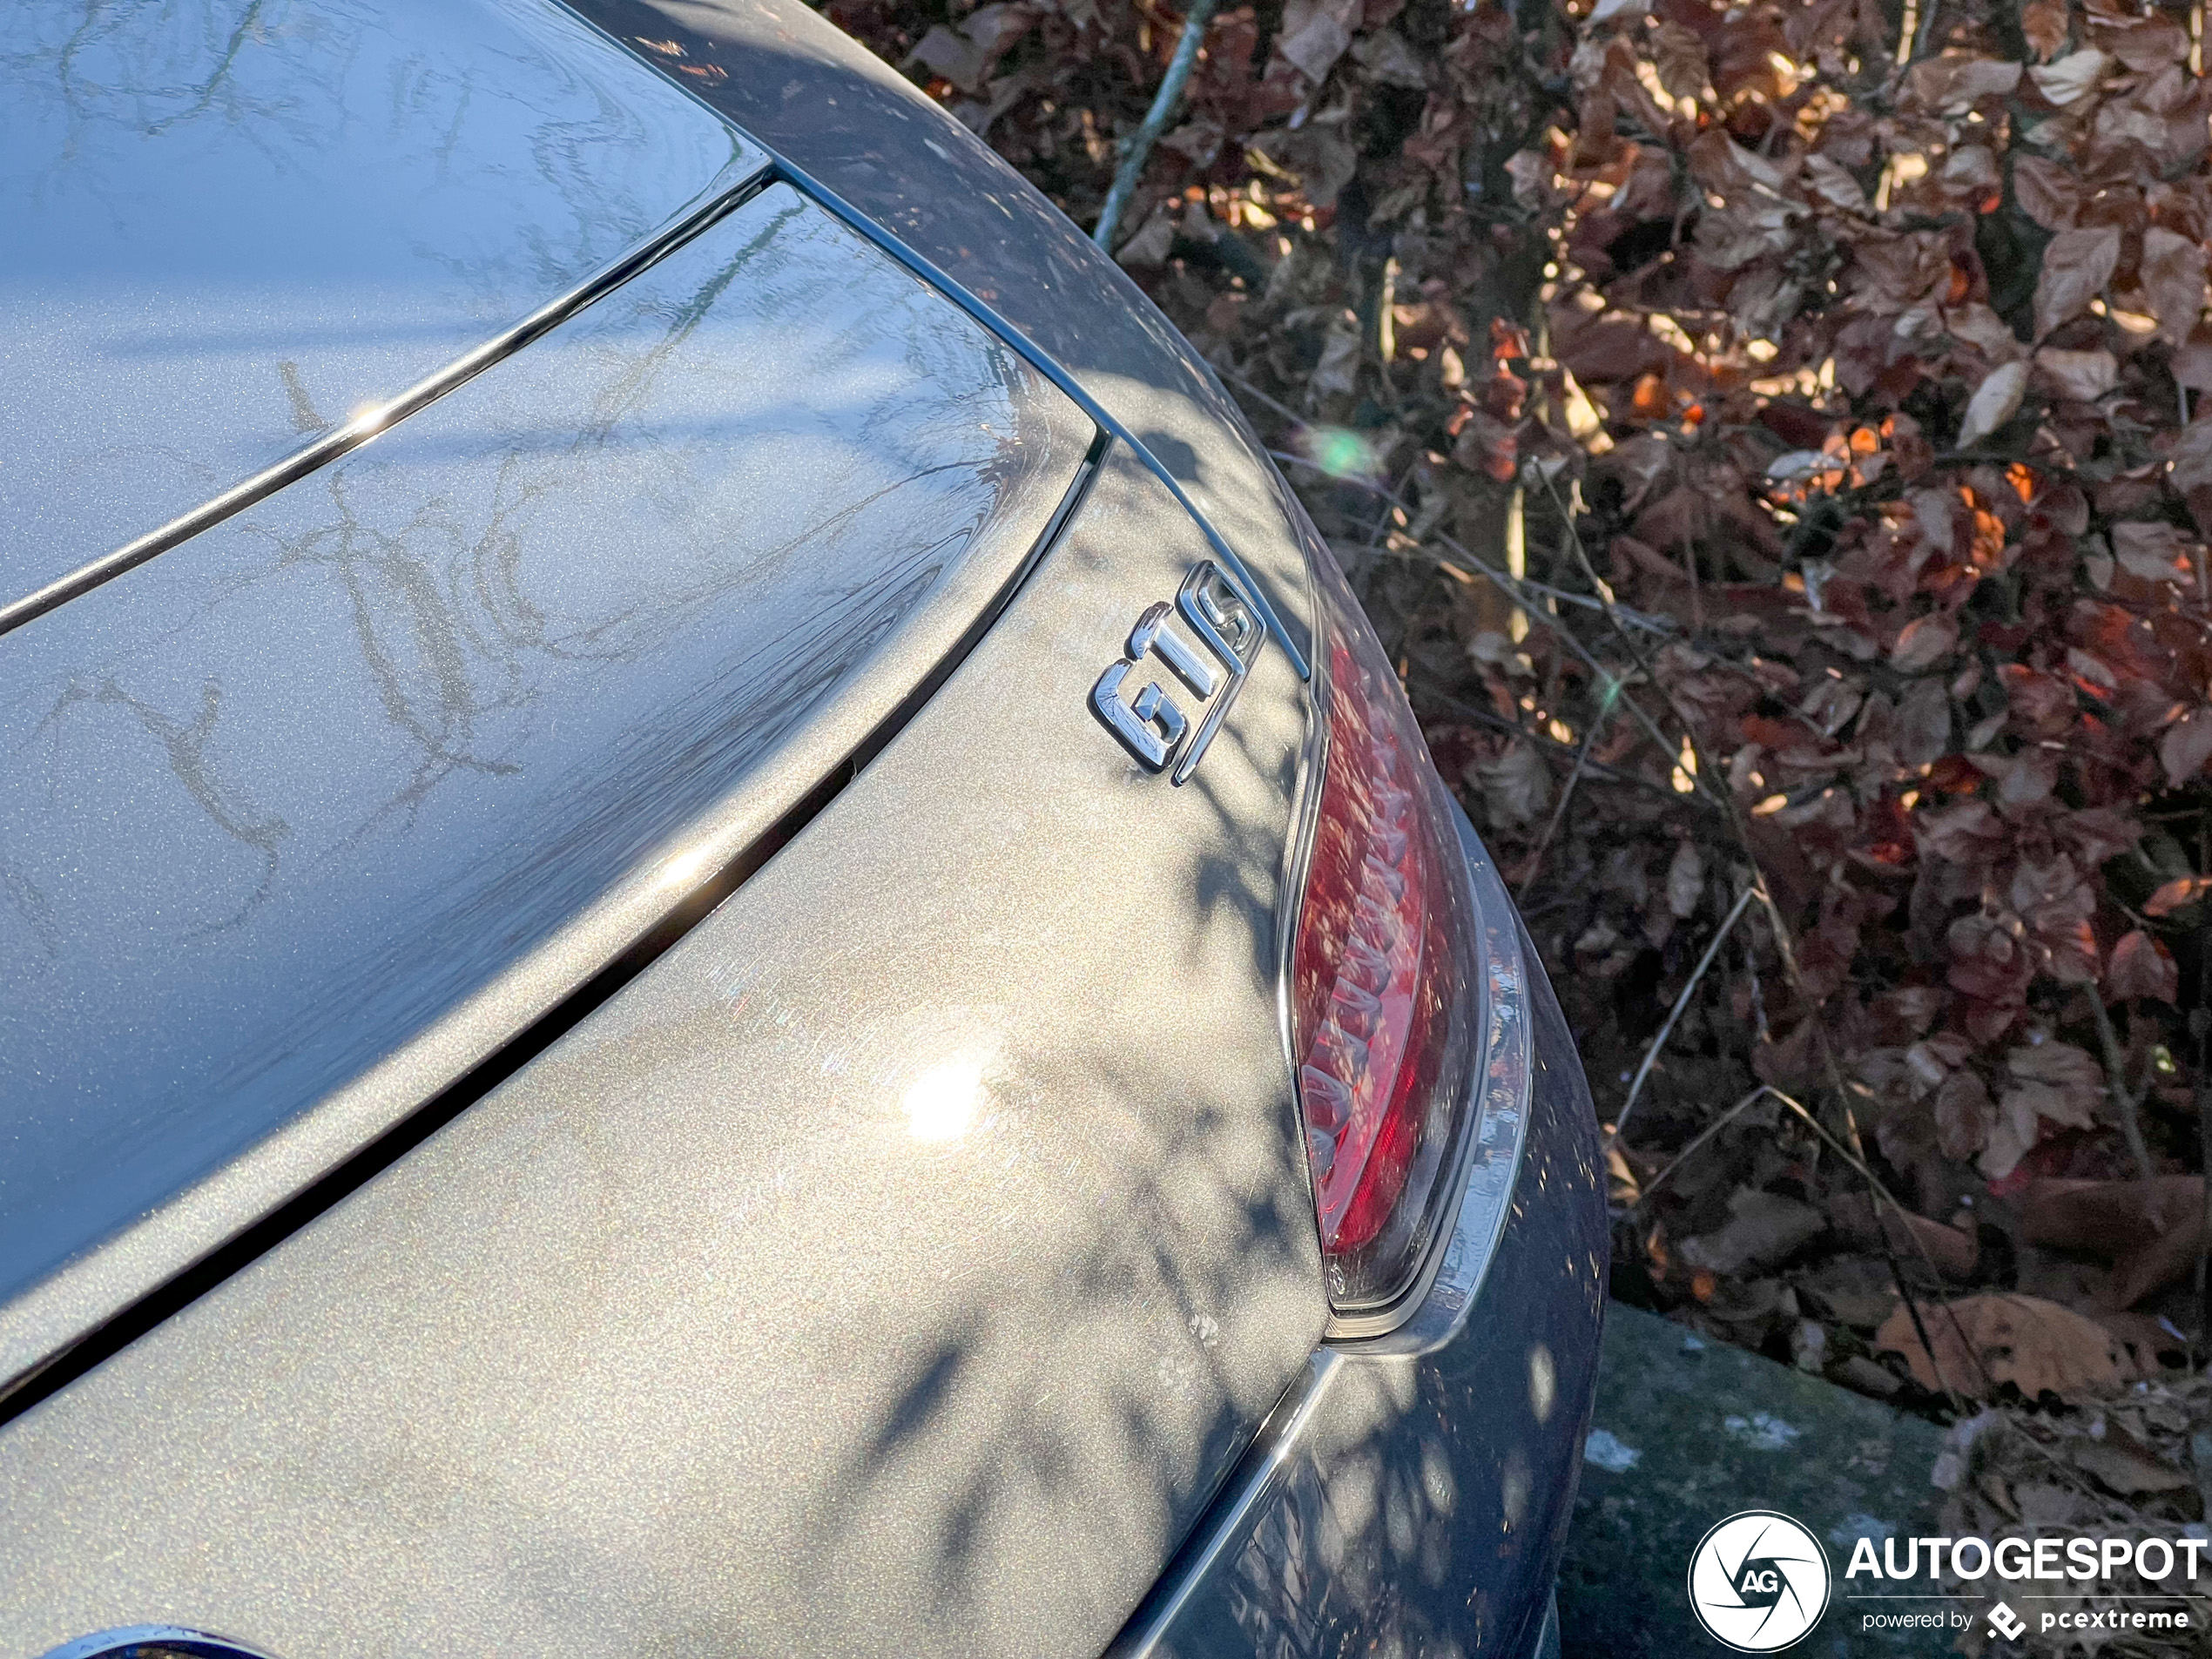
point(1380, 974)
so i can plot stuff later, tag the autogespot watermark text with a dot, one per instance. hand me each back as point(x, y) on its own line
point(1759, 1582)
point(2049, 1559)
point(2065, 1560)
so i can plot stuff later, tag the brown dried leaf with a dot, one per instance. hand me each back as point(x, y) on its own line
point(2056, 1081)
point(1984, 330)
point(2072, 77)
point(2172, 895)
point(2107, 1218)
point(1678, 56)
point(1983, 1342)
point(2045, 25)
point(2141, 967)
point(1954, 84)
point(1517, 787)
point(1923, 642)
point(2048, 193)
point(2060, 1065)
point(2158, 1261)
point(2076, 268)
point(1385, 56)
point(2154, 552)
point(1762, 1229)
point(1969, 834)
point(2150, 43)
point(951, 54)
point(1315, 34)
point(1964, 1115)
point(2084, 376)
point(1998, 398)
point(2097, 833)
point(1338, 372)
point(2173, 279)
point(1834, 185)
point(2192, 474)
point(1150, 246)
point(1954, 1252)
point(2125, 1469)
point(2187, 746)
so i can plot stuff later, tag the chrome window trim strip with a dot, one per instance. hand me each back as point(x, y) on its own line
point(1023, 346)
point(99, 1301)
point(987, 316)
point(743, 178)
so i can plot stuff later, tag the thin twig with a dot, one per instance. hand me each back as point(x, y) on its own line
point(1854, 1153)
point(1697, 1140)
point(2128, 1105)
point(1138, 149)
point(1882, 1193)
point(1927, 27)
point(1280, 408)
point(1597, 769)
point(1518, 587)
point(1700, 782)
point(1651, 1054)
point(1616, 688)
point(1558, 812)
point(2200, 1028)
point(2201, 1023)
point(1784, 938)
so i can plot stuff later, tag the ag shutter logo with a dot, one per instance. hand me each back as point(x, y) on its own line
point(1758, 1581)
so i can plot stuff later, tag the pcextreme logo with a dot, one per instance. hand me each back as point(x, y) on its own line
point(1758, 1581)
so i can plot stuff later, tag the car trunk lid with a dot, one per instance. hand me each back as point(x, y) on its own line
point(312, 814)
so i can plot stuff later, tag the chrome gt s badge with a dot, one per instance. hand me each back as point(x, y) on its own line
point(1150, 725)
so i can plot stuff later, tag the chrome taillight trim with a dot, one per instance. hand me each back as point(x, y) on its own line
point(1433, 1306)
point(111, 1644)
point(1298, 847)
point(1434, 1311)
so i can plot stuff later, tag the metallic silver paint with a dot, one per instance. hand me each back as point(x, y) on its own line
point(856, 129)
point(225, 225)
point(852, 1283)
point(727, 192)
point(310, 814)
point(989, 316)
point(1443, 1298)
point(1412, 1497)
point(506, 1392)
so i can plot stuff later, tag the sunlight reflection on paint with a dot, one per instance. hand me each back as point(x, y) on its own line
point(685, 868)
point(940, 1104)
point(1339, 453)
